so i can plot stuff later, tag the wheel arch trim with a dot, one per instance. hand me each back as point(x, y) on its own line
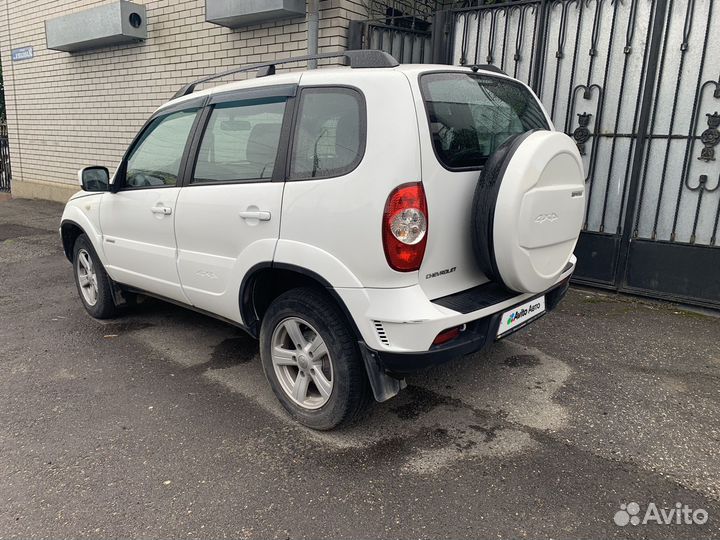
point(85, 228)
point(245, 297)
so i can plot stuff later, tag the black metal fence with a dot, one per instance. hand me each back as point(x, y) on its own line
point(400, 27)
point(409, 45)
point(5, 173)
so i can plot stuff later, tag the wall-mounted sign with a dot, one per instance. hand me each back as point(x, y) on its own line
point(22, 53)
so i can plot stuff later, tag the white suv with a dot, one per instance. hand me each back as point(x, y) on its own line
point(363, 222)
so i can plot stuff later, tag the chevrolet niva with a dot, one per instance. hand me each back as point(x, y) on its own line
point(363, 221)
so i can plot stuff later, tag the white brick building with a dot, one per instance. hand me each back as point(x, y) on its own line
point(69, 110)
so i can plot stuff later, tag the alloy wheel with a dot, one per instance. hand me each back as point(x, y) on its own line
point(87, 278)
point(302, 363)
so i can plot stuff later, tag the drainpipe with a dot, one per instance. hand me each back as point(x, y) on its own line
point(312, 31)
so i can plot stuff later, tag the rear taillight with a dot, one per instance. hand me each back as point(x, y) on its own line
point(404, 228)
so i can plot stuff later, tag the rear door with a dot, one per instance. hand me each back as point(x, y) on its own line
point(138, 220)
point(463, 118)
point(228, 213)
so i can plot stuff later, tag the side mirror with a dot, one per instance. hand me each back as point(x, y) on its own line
point(94, 178)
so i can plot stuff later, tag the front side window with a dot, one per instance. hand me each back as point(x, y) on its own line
point(472, 115)
point(329, 138)
point(241, 141)
point(155, 159)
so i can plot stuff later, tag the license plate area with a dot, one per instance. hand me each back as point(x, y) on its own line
point(520, 315)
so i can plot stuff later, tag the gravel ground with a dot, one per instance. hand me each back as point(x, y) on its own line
point(160, 424)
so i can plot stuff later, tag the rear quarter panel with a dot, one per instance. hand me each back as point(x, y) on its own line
point(333, 226)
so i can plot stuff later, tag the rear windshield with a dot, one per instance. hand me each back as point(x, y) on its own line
point(471, 115)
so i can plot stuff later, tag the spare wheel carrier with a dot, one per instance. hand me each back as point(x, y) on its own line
point(528, 210)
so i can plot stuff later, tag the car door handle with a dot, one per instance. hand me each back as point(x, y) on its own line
point(164, 210)
point(255, 214)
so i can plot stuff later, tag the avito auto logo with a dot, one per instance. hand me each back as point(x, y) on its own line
point(520, 313)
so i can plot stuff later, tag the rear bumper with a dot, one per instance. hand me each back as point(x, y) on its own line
point(479, 333)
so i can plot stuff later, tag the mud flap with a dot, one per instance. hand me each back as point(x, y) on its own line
point(383, 385)
point(117, 293)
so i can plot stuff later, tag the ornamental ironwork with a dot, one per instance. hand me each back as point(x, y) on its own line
point(710, 137)
point(582, 133)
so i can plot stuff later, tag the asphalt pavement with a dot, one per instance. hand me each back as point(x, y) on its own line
point(160, 424)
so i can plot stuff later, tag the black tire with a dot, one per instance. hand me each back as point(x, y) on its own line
point(104, 307)
point(350, 394)
point(484, 201)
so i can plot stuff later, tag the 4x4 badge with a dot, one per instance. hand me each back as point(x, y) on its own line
point(542, 218)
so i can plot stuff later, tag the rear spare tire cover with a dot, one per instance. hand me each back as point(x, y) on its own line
point(528, 209)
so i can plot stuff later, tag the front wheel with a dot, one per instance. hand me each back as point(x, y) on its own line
point(92, 281)
point(311, 360)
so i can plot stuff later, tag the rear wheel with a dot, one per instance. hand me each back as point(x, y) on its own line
point(311, 360)
point(92, 281)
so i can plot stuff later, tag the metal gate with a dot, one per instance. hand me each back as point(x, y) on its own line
point(4, 159)
point(636, 84)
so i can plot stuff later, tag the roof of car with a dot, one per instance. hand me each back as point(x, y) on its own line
point(315, 76)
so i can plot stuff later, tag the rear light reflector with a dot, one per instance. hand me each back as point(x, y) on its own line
point(447, 335)
point(405, 226)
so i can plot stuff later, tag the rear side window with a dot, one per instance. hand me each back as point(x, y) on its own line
point(240, 142)
point(329, 138)
point(471, 115)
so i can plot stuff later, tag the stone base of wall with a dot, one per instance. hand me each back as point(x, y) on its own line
point(50, 191)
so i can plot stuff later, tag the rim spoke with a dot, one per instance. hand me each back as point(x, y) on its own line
point(293, 330)
point(323, 385)
point(84, 280)
point(300, 387)
point(317, 348)
point(84, 261)
point(283, 357)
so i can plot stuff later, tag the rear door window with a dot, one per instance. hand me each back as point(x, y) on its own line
point(240, 142)
point(329, 138)
point(471, 115)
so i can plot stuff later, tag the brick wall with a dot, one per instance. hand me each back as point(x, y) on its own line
point(66, 111)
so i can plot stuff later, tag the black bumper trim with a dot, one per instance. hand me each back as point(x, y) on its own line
point(478, 334)
point(477, 298)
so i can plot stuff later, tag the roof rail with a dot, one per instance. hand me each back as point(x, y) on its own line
point(357, 59)
point(486, 67)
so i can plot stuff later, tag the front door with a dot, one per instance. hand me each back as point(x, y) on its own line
point(228, 213)
point(137, 222)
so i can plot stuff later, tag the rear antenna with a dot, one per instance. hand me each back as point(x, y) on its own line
point(487, 67)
